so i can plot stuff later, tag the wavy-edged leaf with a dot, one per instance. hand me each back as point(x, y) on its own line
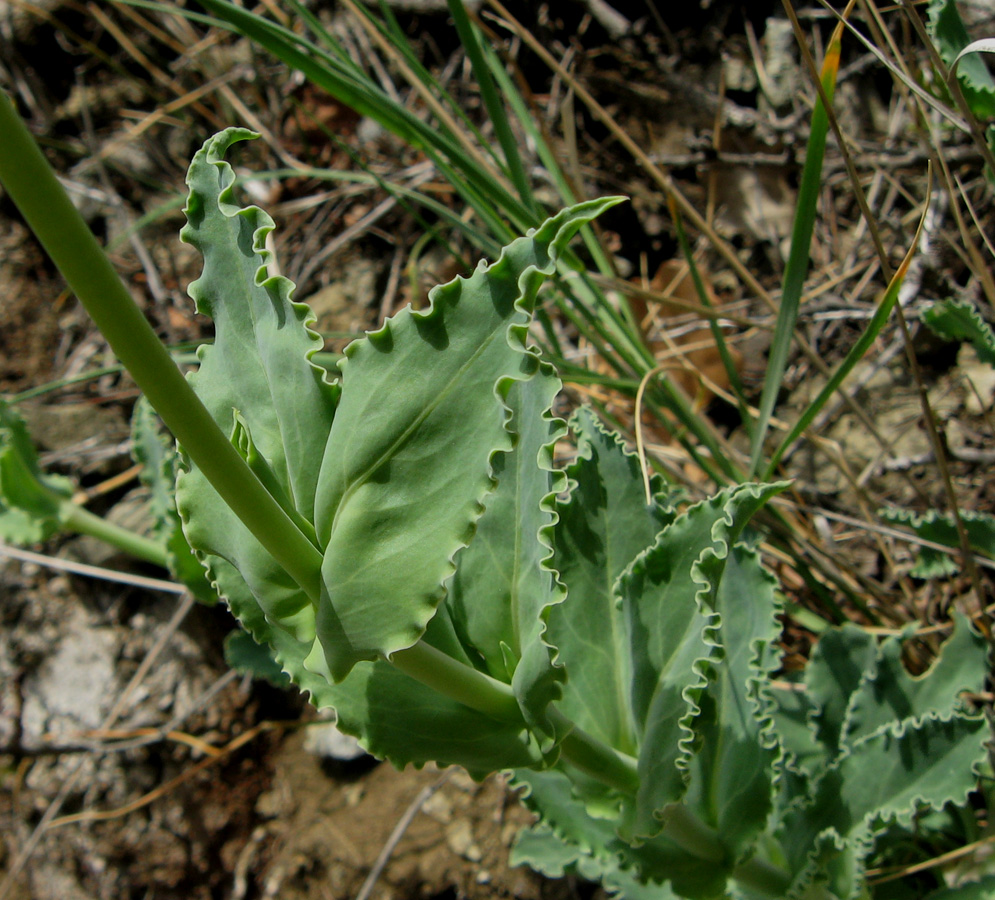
point(542, 849)
point(669, 601)
point(839, 664)
point(888, 777)
point(948, 31)
point(31, 503)
point(939, 528)
point(603, 525)
point(551, 794)
point(959, 321)
point(793, 713)
point(394, 717)
point(731, 775)
point(155, 450)
point(569, 838)
point(502, 586)
point(408, 459)
point(247, 657)
point(258, 371)
point(889, 694)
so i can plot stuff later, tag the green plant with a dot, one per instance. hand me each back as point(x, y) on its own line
point(402, 544)
point(34, 505)
point(495, 181)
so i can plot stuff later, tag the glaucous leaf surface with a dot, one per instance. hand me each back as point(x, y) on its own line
point(408, 462)
point(155, 451)
point(603, 524)
point(669, 599)
point(426, 484)
point(501, 590)
point(255, 379)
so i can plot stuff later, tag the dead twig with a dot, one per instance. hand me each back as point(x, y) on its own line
point(395, 836)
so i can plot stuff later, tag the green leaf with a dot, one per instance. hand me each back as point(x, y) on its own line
point(399, 719)
point(569, 838)
point(31, 503)
point(503, 585)
point(862, 705)
point(799, 255)
point(603, 525)
point(669, 600)
point(841, 661)
point(154, 449)
point(731, 774)
point(940, 528)
point(888, 777)
point(551, 794)
point(247, 657)
point(394, 717)
point(960, 321)
point(258, 369)
point(888, 694)
point(793, 712)
point(947, 29)
point(409, 458)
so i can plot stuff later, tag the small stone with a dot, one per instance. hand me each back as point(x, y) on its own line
point(327, 741)
point(459, 837)
point(438, 807)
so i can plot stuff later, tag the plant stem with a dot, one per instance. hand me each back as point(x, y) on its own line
point(762, 877)
point(494, 698)
point(692, 835)
point(473, 688)
point(49, 212)
point(459, 682)
point(76, 518)
point(594, 758)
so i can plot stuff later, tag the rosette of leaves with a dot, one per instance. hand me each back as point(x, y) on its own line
point(460, 599)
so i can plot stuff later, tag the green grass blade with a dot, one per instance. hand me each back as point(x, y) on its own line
point(343, 80)
point(392, 30)
point(528, 122)
point(713, 324)
point(492, 101)
point(864, 343)
point(798, 258)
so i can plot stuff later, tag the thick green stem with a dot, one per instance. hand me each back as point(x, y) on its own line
point(472, 688)
point(32, 185)
point(594, 758)
point(692, 835)
point(762, 877)
point(461, 683)
point(82, 521)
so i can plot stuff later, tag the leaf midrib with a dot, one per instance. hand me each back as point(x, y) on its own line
point(408, 432)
